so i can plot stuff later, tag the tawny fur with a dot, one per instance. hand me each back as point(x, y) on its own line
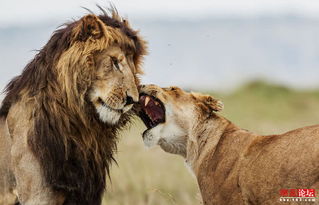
point(233, 165)
point(60, 117)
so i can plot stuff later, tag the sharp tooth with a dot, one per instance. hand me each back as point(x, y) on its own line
point(156, 103)
point(147, 100)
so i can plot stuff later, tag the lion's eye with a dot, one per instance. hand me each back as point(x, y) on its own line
point(115, 62)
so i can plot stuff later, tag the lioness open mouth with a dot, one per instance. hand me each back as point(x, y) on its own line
point(152, 111)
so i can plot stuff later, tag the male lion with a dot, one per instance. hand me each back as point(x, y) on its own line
point(232, 165)
point(60, 117)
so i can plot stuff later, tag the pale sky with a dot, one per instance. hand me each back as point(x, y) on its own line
point(14, 12)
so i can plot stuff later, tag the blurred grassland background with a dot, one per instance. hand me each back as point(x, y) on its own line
point(151, 177)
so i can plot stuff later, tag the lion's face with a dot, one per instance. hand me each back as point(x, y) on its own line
point(169, 113)
point(114, 89)
point(100, 67)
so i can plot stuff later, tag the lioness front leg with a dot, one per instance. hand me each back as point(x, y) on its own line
point(31, 186)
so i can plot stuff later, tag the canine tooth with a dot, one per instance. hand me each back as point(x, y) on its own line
point(156, 103)
point(147, 100)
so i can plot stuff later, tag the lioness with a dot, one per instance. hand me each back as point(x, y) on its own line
point(232, 165)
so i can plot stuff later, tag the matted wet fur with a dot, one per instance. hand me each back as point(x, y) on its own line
point(60, 117)
point(233, 165)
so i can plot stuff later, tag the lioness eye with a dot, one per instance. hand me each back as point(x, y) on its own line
point(115, 62)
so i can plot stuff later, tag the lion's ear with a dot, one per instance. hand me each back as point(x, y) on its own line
point(89, 26)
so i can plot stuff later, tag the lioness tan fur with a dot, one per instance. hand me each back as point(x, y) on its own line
point(60, 117)
point(233, 166)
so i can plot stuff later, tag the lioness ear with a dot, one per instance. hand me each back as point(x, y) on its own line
point(209, 102)
point(214, 104)
point(89, 26)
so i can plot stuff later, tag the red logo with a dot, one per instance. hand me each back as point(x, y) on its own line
point(297, 192)
point(289, 195)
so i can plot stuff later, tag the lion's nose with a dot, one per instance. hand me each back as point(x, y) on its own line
point(129, 100)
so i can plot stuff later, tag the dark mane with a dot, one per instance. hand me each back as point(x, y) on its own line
point(73, 146)
point(37, 73)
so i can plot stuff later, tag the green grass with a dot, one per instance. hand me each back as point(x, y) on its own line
point(266, 108)
point(152, 177)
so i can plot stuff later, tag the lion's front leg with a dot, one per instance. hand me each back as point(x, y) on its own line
point(8, 194)
point(7, 182)
point(31, 186)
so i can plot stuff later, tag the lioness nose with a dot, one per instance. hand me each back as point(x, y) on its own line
point(129, 100)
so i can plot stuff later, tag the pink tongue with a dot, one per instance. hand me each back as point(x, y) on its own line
point(154, 112)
